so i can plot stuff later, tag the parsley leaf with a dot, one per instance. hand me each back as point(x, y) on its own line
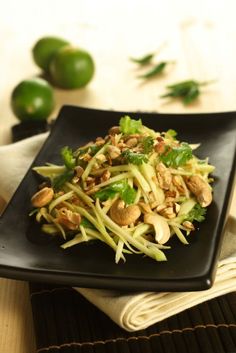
point(147, 143)
point(68, 158)
point(126, 192)
point(177, 156)
point(130, 126)
point(134, 158)
point(197, 213)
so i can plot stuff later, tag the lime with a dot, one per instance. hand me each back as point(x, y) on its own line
point(44, 50)
point(32, 99)
point(71, 68)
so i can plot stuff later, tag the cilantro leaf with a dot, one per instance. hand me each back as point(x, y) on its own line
point(177, 156)
point(197, 213)
point(134, 158)
point(105, 194)
point(118, 186)
point(130, 126)
point(147, 143)
point(126, 192)
point(68, 158)
point(128, 195)
point(110, 191)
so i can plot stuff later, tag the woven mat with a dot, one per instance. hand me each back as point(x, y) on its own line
point(65, 322)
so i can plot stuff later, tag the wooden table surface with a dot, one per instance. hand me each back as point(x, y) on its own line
point(199, 36)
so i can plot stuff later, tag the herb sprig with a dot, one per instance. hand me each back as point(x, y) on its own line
point(177, 156)
point(130, 126)
point(188, 90)
point(134, 158)
point(197, 213)
point(155, 70)
point(68, 157)
point(144, 60)
point(147, 143)
point(126, 192)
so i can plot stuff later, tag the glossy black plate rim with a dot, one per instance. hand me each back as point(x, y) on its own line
point(204, 281)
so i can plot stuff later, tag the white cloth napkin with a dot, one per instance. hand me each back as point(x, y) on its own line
point(131, 311)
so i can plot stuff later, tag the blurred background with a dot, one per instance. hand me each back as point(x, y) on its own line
point(199, 36)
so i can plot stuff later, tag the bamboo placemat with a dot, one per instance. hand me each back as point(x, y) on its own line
point(65, 322)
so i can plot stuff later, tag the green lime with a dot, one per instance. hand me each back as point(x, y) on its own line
point(44, 50)
point(32, 99)
point(71, 68)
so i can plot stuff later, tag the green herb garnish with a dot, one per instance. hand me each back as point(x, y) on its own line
point(68, 157)
point(197, 213)
point(177, 156)
point(144, 60)
point(126, 192)
point(134, 158)
point(130, 126)
point(110, 191)
point(156, 70)
point(188, 91)
point(147, 143)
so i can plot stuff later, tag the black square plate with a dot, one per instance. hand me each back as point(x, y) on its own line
point(192, 267)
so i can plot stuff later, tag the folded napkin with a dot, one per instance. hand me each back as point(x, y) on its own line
point(130, 311)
